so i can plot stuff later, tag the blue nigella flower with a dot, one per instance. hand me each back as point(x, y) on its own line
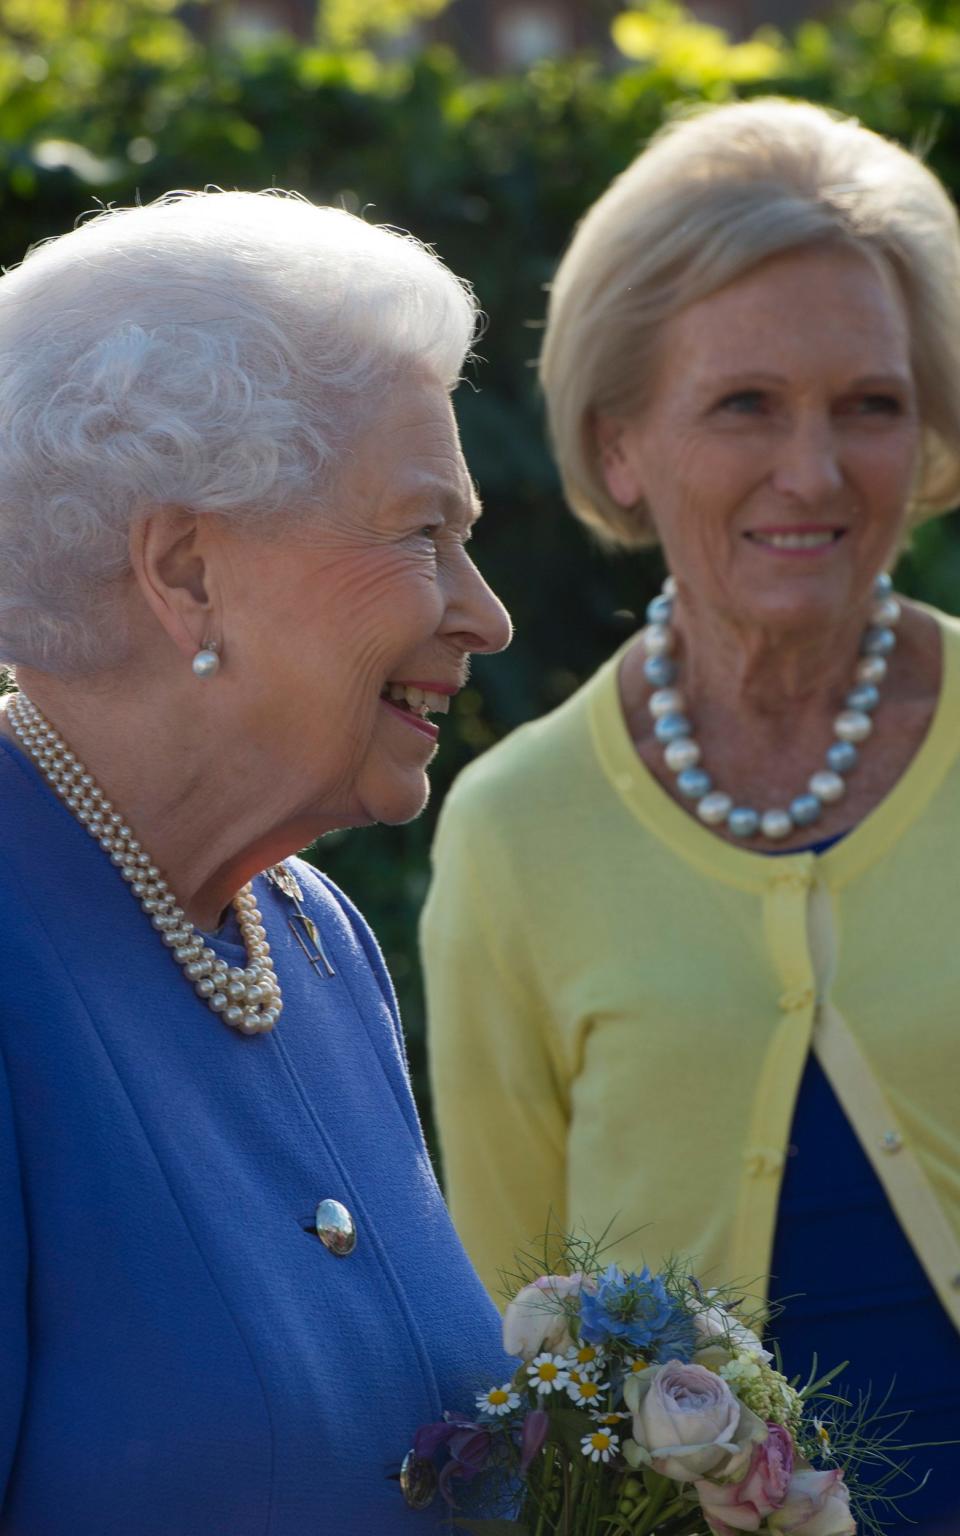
point(678, 1340)
point(637, 1309)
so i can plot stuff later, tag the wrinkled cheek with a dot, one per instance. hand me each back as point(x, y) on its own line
point(340, 773)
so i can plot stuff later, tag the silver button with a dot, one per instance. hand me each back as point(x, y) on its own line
point(335, 1228)
point(418, 1480)
point(891, 1141)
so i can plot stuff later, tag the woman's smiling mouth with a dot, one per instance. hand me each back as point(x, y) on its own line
point(795, 540)
point(420, 700)
point(413, 702)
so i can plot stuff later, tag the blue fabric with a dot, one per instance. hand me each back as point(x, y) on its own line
point(178, 1356)
point(853, 1289)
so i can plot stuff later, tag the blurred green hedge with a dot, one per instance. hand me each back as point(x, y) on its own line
point(114, 100)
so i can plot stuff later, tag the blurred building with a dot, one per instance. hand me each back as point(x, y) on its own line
point(492, 36)
point(496, 35)
point(251, 18)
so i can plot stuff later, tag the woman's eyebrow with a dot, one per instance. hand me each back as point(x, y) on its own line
point(455, 504)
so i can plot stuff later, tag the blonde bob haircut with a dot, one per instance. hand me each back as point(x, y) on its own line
point(715, 193)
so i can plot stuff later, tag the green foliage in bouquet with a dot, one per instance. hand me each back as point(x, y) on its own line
point(646, 1406)
point(115, 100)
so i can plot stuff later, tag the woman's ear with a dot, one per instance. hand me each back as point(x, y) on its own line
point(170, 560)
point(619, 461)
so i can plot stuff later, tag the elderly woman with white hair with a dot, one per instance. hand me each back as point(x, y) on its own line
point(691, 947)
point(234, 585)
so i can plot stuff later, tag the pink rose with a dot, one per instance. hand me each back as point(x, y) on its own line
point(537, 1318)
point(741, 1506)
point(817, 1504)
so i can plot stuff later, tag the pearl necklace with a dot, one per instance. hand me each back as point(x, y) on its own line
point(852, 726)
point(248, 1000)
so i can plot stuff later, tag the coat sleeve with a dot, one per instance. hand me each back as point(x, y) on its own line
point(500, 1105)
point(13, 1289)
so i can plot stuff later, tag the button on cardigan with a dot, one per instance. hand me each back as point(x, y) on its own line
point(621, 1004)
point(179, 1354)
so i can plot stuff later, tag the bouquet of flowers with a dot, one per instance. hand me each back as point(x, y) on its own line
point(644, 1405)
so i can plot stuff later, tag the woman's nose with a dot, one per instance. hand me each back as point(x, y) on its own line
point(477, 615)
point(808, 466)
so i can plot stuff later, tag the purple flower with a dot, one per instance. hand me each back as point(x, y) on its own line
point(470, 1449)
point(532, 1436)
point(468, 1444)
point(430, 1437)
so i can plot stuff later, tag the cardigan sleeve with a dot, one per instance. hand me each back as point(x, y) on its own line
point(500, 1107)
point(13, 1286)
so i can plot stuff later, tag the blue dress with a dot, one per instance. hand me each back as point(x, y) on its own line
point(179, 1354)
point(854, 1290)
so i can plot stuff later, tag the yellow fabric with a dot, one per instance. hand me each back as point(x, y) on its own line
point(621, 1004)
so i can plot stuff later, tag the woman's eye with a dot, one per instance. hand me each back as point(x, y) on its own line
point(880, 405)
point(745, 402)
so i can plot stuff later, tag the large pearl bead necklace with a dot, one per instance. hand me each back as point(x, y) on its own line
point(249, 1000)
point(851, 727)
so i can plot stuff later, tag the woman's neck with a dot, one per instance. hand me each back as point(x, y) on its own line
point(768, 676)
point(763, 711)
point(208, 812)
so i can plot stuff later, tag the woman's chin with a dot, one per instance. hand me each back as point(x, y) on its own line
point(395, 803)
point(794, 618)
point(798, 602)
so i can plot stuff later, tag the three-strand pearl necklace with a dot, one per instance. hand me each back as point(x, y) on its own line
point(682, 753)
point(248, 999)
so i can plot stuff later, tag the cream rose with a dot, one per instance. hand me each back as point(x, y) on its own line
point(687, 1422)
point(715, 1325)
point(537, 1317)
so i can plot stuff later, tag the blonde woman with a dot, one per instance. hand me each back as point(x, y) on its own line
point(691, 945)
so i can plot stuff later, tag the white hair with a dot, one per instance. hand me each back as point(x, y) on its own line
point(215, 351)
point(714, 194)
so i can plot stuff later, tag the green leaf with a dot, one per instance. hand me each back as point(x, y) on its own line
point(567, 1428)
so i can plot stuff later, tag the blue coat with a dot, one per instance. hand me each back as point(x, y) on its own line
point(179, 1355)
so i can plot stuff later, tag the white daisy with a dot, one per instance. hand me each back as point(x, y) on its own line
point(823, 1435)
point(586, 1358)
point(498, 1400)
point(608, 1419)
point(586, 1390)
point(599, 1446)
point(634, 1364)
point(548, 1373)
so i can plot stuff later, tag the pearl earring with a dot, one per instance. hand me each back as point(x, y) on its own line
point(206, 663)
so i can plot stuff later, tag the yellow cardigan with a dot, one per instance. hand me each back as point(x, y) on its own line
point(621, 1004)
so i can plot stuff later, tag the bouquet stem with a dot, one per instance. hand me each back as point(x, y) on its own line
point(549, 1457)
point(655, 1510)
